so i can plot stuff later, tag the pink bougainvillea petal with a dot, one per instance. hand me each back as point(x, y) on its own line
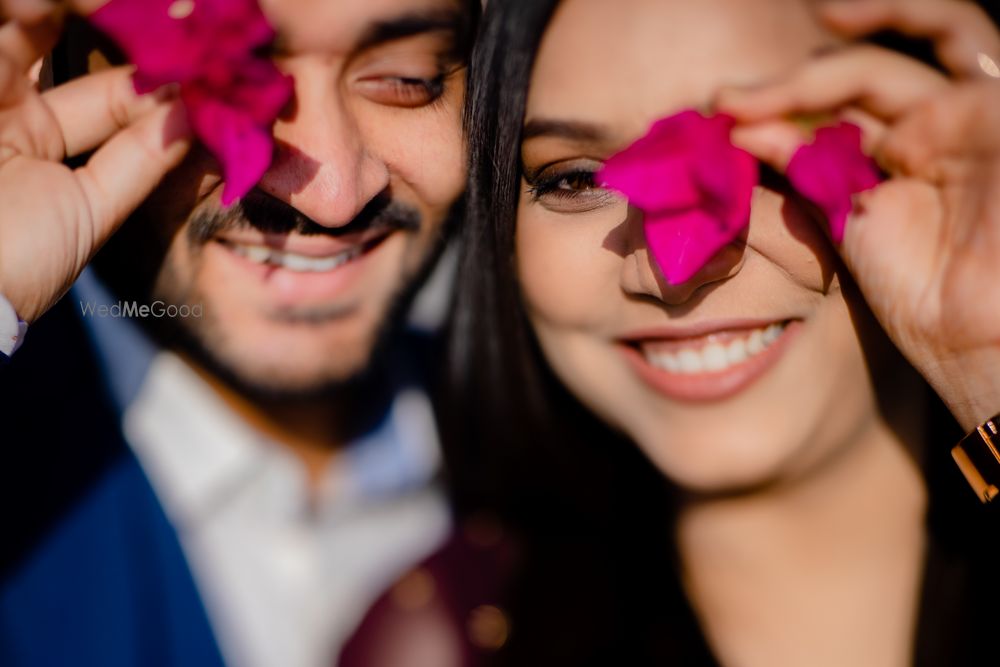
point(694, 187)
point(244, 148)
point(663, 184)
point(210, 48)
point(831, 170)
point(683, 243)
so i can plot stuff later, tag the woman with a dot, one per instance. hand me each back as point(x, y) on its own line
point(802, 529)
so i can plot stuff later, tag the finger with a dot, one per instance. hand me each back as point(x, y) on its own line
point(964, 123)
point(882, 82)
point(960, 31)
point(123, 172)
point(24, 44)
point(91, 109)
point(775, 142)
point(772, 142)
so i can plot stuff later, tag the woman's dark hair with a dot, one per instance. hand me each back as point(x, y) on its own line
point(510, 399)
point(591, 511)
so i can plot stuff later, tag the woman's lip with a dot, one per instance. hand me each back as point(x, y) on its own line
point(710, 386)
point(308, 246)
point(698, 329)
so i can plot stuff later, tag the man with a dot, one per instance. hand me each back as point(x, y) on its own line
point(218, 450)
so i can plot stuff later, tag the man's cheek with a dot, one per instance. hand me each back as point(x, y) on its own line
point(427, 158)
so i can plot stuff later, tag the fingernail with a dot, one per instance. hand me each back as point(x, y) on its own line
point(167, 93)
point(177, 127)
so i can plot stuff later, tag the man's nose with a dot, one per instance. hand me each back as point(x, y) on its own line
point(642, 277)
point(323, 165)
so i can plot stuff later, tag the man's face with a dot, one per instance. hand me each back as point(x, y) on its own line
point(298, 280)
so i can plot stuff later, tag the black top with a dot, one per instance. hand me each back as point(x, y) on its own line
point(602, 593)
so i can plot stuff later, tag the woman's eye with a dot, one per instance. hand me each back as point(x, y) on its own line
point(575, 182)
point(569, 190)
point(405, 92)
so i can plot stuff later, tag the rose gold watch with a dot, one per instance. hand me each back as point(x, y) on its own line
point(978, 457)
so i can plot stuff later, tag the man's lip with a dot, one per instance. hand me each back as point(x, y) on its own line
point(307, 246)
point(696, 330)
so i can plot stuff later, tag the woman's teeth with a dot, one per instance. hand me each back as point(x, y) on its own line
point(713, 357)
point(294, 262)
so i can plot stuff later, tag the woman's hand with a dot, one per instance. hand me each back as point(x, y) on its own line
point(924, 247)
point(53, 219)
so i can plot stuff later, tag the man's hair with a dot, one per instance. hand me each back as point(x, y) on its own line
point(83, 46)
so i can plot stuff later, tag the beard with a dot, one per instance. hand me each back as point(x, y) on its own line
point(208, 341)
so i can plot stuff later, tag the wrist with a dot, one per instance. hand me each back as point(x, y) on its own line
point(968, 383)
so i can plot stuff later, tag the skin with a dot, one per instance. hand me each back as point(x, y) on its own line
point(802, 533)
point(368, 125)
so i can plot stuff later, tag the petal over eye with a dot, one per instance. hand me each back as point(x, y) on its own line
point(693, 186)
point(210, 48)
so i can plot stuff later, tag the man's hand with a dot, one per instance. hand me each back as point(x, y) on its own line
point(54, 219)
point(924, 246)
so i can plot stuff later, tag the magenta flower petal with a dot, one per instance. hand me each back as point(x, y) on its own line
point(686, 240)
point(692, 184)
point(208, 47)
point(244, 148)
point(831, 170)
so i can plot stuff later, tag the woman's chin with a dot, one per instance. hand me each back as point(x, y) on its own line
point(707, 465)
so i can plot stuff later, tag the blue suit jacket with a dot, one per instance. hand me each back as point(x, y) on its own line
point(91, 571)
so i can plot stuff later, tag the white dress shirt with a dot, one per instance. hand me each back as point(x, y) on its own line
point(286, 574)
point(12, 329)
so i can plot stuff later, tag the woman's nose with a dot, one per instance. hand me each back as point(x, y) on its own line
point(642, 276)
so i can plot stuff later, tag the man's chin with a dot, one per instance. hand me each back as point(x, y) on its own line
point(295, 377)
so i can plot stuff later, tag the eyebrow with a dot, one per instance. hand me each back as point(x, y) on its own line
point(411, 25)
point(563, 129)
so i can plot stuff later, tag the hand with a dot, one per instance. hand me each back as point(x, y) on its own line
point(54, 219)
point(924, 247)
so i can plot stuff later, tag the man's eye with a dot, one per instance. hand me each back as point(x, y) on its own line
point(403, 91)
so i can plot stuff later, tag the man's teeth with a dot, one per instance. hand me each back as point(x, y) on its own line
point(714, 357)
point(294, 262)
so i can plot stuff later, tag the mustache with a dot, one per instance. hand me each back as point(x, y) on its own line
point(268, 215)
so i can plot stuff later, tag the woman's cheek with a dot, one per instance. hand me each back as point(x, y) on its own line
point(567, 277)
point(783, 232)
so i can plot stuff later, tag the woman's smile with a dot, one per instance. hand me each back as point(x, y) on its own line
point(711, 366)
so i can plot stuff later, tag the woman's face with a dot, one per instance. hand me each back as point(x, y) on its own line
point(751, 372)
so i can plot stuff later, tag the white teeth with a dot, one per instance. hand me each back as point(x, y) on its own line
point(292, 261)
point(255, 253)
point(736, 352)
point(670, 363)
point(690, 362)
point(715, 357)
point(772, 333)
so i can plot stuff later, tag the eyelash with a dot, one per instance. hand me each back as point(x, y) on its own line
point(406, 92)
point(432, 88)
point(552, 185)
